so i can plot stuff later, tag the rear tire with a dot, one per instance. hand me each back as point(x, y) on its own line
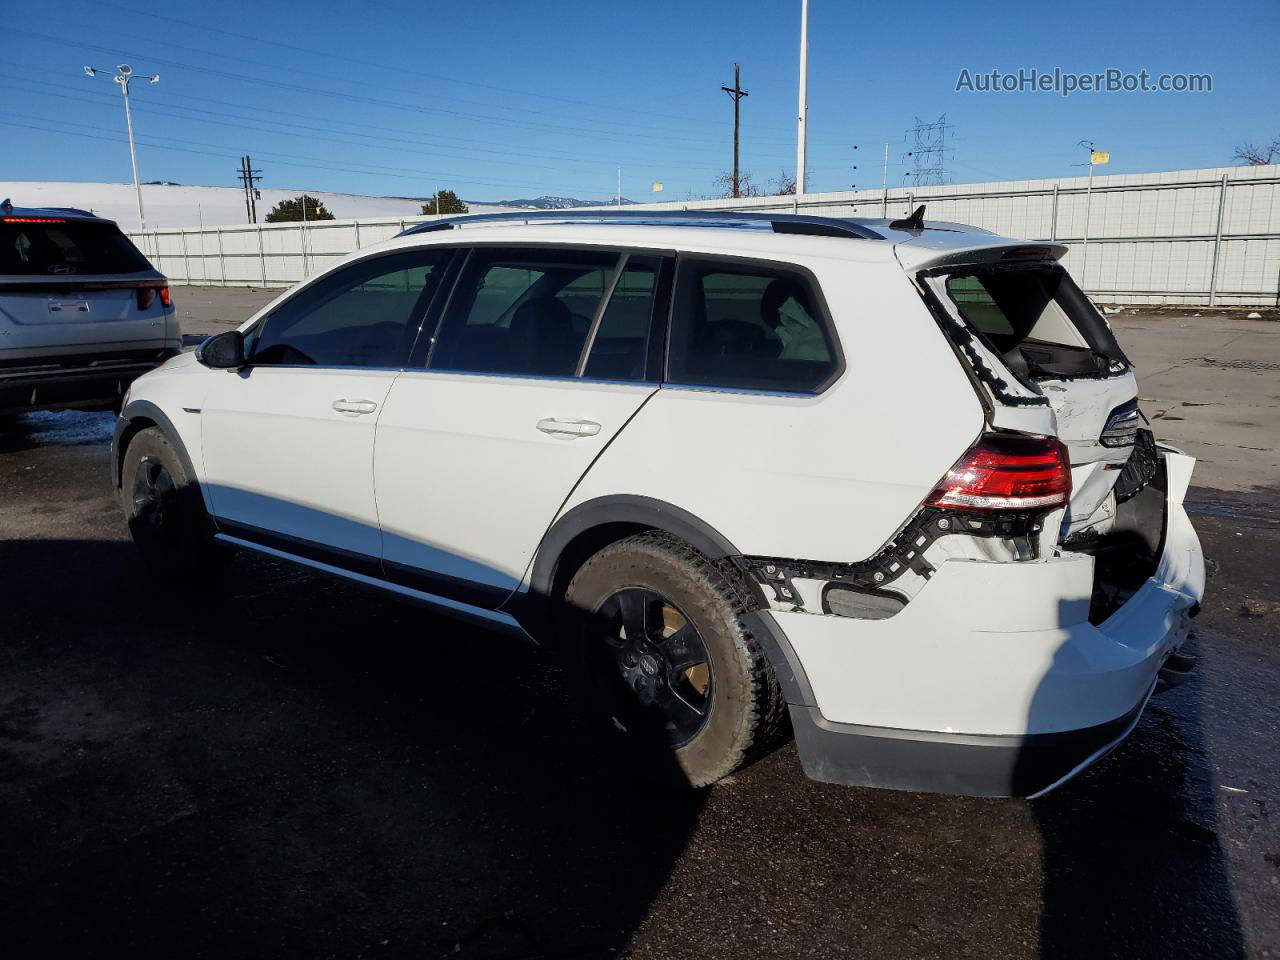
point(716, 714)
point(166, 514)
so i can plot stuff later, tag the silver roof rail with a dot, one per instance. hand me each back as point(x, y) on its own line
point(725, 219)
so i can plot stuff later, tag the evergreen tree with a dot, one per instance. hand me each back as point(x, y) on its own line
point(446, 201)
point(290, 211)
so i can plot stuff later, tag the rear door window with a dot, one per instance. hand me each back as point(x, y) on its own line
point(621, 345)
point(66, 248)
point(749, 326)
point(522, 311)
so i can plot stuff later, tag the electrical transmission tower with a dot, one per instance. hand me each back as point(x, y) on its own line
point(249, 178)
point(928, 152)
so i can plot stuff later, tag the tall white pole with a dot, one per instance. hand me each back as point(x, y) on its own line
point(133, 152)
point(884, 185)
point(1088, 209)
point(619, 188)
point(803, 113)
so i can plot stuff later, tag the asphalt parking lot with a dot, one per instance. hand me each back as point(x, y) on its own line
point(285, 766)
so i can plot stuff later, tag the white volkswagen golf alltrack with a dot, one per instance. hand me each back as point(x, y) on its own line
point(886, 477)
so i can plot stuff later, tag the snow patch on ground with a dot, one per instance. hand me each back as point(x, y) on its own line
point(48, 428)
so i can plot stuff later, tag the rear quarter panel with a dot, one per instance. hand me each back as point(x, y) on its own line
point(827, 477)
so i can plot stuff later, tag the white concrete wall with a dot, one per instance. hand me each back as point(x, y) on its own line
point(1152, 238)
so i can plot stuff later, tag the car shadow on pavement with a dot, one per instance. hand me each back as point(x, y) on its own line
point(286, 766)
point(1132, 865)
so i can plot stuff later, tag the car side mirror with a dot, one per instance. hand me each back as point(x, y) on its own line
point(223, 351)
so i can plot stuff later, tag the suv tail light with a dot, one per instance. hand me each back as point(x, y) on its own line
point(1002, 472)
point(147, 296)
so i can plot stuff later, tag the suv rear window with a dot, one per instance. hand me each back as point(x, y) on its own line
point(1037, 318)
point(60, 249)
point(749, 326)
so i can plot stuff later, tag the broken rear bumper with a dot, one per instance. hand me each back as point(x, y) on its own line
point(992, 681)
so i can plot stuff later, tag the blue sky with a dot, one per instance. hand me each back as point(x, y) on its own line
point(503, 100)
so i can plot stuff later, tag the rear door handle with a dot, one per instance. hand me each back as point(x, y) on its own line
point(568, 428)
point(354, 407)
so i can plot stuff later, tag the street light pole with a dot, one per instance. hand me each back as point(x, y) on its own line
point(123, 77)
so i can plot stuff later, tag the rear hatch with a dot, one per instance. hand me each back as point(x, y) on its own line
point(1042, 356)
point(71, 286)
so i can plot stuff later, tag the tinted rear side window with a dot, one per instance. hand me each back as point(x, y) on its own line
point(66, 249)
point(748, 326)
point(621, 343)
point(522, 311)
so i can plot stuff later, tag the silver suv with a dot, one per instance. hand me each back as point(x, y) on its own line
point(82, 311)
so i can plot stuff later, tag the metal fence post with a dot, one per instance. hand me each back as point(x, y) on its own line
point(186, 263)
point(357, 226)
point(262, 257)
point(1053, 217)
point(1217, 243)
point(302, 245)
point(222, 261)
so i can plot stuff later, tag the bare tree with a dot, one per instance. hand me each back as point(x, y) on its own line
point(723, 185)
point(1257, 156)
point(784, 185)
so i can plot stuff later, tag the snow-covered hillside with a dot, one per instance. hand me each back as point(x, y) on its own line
point(181, 206)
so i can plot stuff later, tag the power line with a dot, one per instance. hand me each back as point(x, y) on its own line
point(657, 137)
point(274, 124)
point(417, 73)
point(287, 160)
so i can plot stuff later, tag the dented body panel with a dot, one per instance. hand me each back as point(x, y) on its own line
point(1007, 648)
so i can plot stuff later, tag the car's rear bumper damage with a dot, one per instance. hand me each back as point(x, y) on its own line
point(993, 680)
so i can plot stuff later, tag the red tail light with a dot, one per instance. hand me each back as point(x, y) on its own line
point(1007, 473)
point(147, 296)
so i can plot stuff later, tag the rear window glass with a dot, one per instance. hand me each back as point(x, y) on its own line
point(63, 249)
point(522, 311)
point(748, 326)
point(1011, 306)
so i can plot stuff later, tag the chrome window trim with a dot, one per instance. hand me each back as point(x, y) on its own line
point(534, 377)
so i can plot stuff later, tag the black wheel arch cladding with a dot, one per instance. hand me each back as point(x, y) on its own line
point(138, 415)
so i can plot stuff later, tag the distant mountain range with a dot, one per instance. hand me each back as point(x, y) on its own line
point(559, 203)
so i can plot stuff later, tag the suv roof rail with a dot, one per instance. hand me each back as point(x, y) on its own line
point(726, 219)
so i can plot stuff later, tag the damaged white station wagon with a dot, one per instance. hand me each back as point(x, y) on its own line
point(886, 476)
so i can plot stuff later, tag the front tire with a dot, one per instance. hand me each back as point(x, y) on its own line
point(165, 512)
point(661, 646)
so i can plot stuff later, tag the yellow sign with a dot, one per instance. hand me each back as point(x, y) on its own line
point(657, 187)
point(1099, 157)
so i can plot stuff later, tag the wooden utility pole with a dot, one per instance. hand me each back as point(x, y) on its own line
point(737, 93)
point(249, 178)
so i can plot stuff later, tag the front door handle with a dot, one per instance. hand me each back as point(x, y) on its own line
point(354, 407)
point(568, 428)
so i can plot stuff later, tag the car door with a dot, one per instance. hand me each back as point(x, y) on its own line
point(288, 438)
point(541, 357)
